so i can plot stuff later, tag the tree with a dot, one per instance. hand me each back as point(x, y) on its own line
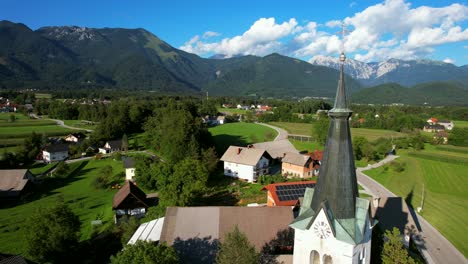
point(320, 129)
point(236, 248)
point(209, 158)
point(12, 118)
point(52, 235)
point(125, 142)
point(145, 253)
point(394, 251)
point(188, 179)
point(62, 170)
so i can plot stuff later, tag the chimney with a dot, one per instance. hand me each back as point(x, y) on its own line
point(239, 150)
point(284, 154)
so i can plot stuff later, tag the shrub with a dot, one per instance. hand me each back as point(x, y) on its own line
point(398, 166)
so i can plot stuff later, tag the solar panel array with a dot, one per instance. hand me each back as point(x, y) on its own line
point(292, 192)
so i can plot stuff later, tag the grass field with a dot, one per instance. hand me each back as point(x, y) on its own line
point(370, 134)
point(306, 146)
point(446, 183)
point(85, 201)
point(20, 132)
point(240, 134)
point(463, 124)
point(43, 96)
point(79, 124)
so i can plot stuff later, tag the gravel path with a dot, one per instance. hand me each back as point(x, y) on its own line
point(279, 145)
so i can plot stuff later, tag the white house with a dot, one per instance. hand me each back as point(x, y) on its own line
point(245, 163)
point(446, 123)
point(75, 137)
point(129, 166)
point(111, 146)
point(55, 152)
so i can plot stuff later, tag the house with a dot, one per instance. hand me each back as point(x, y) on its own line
point(195, 232)
point(14, 182)
point(286, 193)
point(295, 165)
point(220, 120)
point(55, 152)
point(129, 201)
point(433, 128)
point(75, 137)
point(129, 166)
point(317, 161)
point(246, 162)
point(149, 231)
point(111, 146)
point(448, 125)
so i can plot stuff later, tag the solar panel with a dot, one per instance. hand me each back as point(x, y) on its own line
point(292, 192)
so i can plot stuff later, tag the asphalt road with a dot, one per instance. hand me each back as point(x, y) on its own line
point(279, 145)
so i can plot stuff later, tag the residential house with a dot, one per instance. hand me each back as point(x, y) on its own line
point(317, 161)
point(246, 162)
point(111, 146)
point(129, 166)
point(446, 123)
point(432, 121)
point(286, 193)
point(433, 128)
point(195, 232)
point(129, 201)
point(14, 182)
point(295, 165)
point(55, 152)
point(220, 120)
point(75, 137)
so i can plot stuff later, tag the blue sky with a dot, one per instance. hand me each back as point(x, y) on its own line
point(381, 29)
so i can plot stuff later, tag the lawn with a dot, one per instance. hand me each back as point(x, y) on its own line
point(462, 124)
point(240, 134)
point(370, 134)
point(23, 131)
point(88, 203)
point(80, 124)
point(309, 146)
point(42, 96)
point(232, 111)
point(444, 176)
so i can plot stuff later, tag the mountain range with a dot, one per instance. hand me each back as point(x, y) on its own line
point(71, 57)
point(403, 72)
point(76, 57)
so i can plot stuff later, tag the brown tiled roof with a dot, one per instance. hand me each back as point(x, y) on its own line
point(260, 224)
point(129, 197)
point(12, 182)
point(316, 155)
point(241, 155)
point(272, 188)
point(296, 159)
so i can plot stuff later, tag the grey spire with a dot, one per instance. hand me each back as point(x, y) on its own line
point(337, 183)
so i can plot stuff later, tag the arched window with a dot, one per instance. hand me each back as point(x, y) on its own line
point(327, 259)
point(314, 257)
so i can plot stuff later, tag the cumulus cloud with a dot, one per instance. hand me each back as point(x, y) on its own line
point(390, 29)
point(260, 39)
point(449, 60)
point(209, 34)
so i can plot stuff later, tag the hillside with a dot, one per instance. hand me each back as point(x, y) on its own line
point(432, 93)
point(77, 57)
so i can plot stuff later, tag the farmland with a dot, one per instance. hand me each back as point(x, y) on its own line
point(85, 201)
point(443, 173)
point(240, 134)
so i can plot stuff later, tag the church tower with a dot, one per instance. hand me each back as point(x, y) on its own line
point(334, 224)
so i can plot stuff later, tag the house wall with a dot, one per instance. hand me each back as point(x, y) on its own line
point(241, 171)
point(306, 241)
point(54, 156)
point(270, 200)
point(129, 174)
point(447, 126)
point(293, 170)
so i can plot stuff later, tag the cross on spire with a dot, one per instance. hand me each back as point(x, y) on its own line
point(343, 33)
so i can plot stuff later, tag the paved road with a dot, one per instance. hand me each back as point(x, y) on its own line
point(279, 145)
point(61, 123)
point(435, 248)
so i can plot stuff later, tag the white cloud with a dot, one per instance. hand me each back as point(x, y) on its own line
point(260, 39)
point(449, 60)
point(209, 34)
point(352, 4)
point(390, 29)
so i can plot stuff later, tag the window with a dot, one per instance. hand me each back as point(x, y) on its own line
point(327, 259)
point(314, 257)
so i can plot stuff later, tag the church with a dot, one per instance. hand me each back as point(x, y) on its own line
point(332, 224)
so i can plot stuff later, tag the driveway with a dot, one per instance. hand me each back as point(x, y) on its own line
point(279, 145)
point(434, 247)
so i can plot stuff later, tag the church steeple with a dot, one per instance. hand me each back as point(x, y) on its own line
point(337, 183)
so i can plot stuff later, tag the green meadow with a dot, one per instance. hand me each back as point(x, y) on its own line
point(443, 173)
point(85, 201)
point(240, 134)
